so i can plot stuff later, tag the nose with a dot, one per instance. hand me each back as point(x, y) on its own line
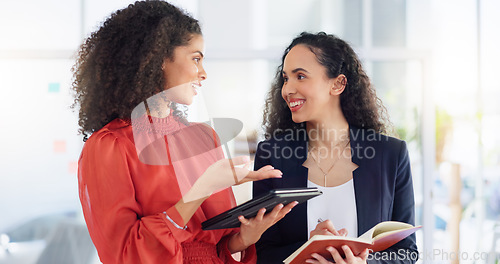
point(202, 74)
point(287, 89)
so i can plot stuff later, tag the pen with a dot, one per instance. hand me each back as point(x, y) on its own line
point(320, 220)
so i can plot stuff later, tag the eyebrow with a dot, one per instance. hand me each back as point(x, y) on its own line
point(201, 53)
point(296, 70)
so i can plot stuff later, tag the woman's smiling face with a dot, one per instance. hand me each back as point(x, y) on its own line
point(307, 89)
point(184, 72)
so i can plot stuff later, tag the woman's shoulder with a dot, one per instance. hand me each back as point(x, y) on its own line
point(110, 133)
point(370, 136)
point(363, 140)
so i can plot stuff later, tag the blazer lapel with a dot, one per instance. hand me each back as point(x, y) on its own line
point(295, 176)
point(361, 192)
point(294, 155)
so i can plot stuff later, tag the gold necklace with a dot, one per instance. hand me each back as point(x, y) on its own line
point(334, 162)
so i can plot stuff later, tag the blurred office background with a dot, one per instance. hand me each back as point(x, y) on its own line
point(433, 63)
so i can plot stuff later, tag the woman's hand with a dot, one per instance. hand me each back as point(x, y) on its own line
point(225, 173)
point(265, 172)
point(350, 258)
point(252, 229)
point(327, 228)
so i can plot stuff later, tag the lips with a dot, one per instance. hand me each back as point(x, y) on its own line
point(296, 104)
point(195, 86)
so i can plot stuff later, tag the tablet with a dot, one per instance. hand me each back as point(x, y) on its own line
point(229, 218)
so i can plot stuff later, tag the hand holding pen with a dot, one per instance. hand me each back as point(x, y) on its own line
point(327, 228)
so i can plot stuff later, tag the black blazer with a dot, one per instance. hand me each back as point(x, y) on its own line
point(382, 184)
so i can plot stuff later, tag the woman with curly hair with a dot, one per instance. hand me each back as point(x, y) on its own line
point(147, 177)
point(325, 128)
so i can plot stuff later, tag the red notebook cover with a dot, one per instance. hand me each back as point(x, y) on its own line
point(381, 241)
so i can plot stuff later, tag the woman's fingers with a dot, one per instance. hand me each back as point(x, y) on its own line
point(336, 255)
point(260, 214)
point(364, 255)
point(349, 256)
point(261, 174)
point(244, 174)
point(258, 217)
point(252, 229)
point(317, 258)
point(343, 232)
point(274, 213)
point(328, 225)
point(266, 168)
point(287, 209)
point(331, 228)
point(323, 232)
point(243, 220)
point(279, 211)
point(268, 171)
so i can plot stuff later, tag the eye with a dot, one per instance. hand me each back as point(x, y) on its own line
point(197, 60)
point(301, 76)
point(285, 79)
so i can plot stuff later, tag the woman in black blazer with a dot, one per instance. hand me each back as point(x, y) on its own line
point(324, 127)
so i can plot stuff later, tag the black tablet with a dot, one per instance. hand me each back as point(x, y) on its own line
point(229, 218)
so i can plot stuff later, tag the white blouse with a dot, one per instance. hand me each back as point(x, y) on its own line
point(337, 204)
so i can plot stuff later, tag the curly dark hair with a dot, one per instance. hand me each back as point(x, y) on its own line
point(359, 102)
point(119, 65)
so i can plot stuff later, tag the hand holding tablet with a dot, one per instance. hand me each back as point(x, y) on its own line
point(229, 218)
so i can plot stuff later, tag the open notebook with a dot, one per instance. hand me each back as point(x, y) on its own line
point(378, 238)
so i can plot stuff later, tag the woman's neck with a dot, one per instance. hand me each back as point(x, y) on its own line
point(159, 110)
point(160, 114)
point(328, 132)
